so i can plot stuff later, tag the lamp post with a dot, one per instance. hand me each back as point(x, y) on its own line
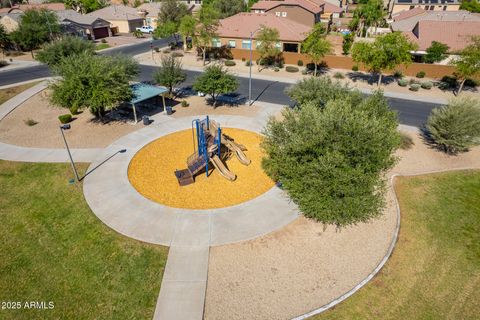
point(250, 67)
point(67, 127)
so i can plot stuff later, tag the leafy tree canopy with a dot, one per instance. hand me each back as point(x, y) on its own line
point(468, 65)
point(206, 29)
point(215, 80)
point(456, 126)
point(436, 52)
point(172, 11)
point(331, 159)
point(316, 46)
point(268, 41)
point(470, 5)
point(170, 73)
point(385, 53)
point(53, 52)
point(228, 8)
point(97, 83)
point(85, 6)
point(35, 28)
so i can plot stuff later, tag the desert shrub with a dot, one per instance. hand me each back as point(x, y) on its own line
point(243, 59)
point(177, 54)
point(291, 69)
point(230, 63)
point(248, 63)
point(449, 82)
point(300, 63)
point(53, 52)
point(276, 69)
point(166, 51)
point(398, 74)
point(406, 142)
point(278, 64)
point(3, 63)
point(338, 75)
point(30, 122)
point(402, 82)
point(304, 72)
point(420, 74)
point(414, 87)
point(355, 68)
point(331, 159)
point(471, 83)
point(73, 110)
point(455, 127)
point(184, 103)
point(320, 90)
point(65, 118)
point(157, 49)
point(427, 85)
point(413, 81)
point(103, 40)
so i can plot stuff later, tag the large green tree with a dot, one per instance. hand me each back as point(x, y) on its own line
point(268, 41)
point(368, 14)
point(187, 29)
point(385, 53)
point(318, 91)
point(468, 65)
point(53, 52)
point(35, 28)
point(470, 5)
point(456, 126)
point(170, 73)
point(172, 11)
point(316, 46)
point(97, 83)
point(206, 29)
point(332, 160)
point(85, 6)
point(4, 39)
point(215, 80)
point(228, 8)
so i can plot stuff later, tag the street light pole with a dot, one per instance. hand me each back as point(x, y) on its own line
point(250, 102)
point(66, 127)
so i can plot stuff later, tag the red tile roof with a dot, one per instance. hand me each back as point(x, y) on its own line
point(405, 14)
point(455, 34)
point(241, 24)
point(314, 6)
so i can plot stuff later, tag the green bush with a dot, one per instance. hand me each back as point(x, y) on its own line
point(230, 63)
point(157, 49)
point(414, 87)
point(427, 85)
point(176, 54)
point(304, 72)
point(338, 75)
point(449, 82)
point(53, 52)
point(247, 63)
point(166, 51)
point(413, 81)
point(3, 63)
point(355, 68)
point(300, 63)
point(406, 142)
point(276, 69)
point(330, 159)
point(471, 83)
point(398, 74)
point(103, 40)
point(455, 127)
point(185, 103)
point(291, 69)
point(73, 110)
point(402, 82)
point(420, 74)
point(243, 59)
point(65, 118)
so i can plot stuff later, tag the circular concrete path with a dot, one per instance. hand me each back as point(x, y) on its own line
point(114, 200)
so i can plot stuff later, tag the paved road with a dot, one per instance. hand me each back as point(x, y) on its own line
point(413, 113)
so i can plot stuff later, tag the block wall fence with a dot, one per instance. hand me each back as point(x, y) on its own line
point(346, 62)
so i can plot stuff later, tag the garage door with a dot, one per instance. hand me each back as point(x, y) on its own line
point(99, 33)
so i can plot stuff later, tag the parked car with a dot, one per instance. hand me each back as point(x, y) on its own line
point(145, 29)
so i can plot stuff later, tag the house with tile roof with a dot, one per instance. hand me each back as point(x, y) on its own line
point(306, 12)
point(150, 11)
point(234, 31)
point(453, 28)
point(122, 19)
point(86, 26)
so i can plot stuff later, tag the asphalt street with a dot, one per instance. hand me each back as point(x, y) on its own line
point(410, 112)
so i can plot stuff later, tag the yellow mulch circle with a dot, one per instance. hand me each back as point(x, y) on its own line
point(151, 172)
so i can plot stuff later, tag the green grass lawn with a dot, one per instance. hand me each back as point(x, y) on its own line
point(434, 272)
point(53, 248)
point(7, 94)
point(102, 46)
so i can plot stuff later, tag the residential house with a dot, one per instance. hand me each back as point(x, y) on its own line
point(86, 26)
point(150, 11)
point(453, 28)
point(306, 12)
point(429, 5)
point(234, 31)
point(122, 19)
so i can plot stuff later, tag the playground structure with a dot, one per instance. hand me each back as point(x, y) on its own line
point(207, 145)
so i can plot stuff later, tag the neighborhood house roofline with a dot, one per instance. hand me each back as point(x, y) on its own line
point(307, 5)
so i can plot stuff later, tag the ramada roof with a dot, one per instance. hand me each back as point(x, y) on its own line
point(242, 24)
